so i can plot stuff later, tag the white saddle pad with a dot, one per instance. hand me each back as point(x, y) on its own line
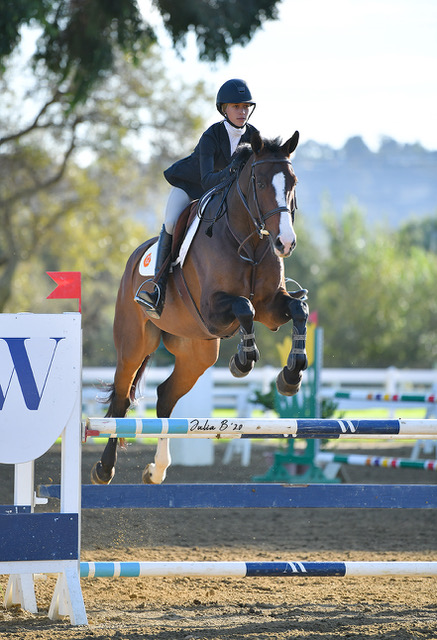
point(187, 241)
point(148, 261)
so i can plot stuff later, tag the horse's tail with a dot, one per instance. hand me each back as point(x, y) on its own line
point(109, 398)
point(138, 376)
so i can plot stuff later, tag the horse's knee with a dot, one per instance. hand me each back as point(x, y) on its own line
point(244, 311)
point(298, 310)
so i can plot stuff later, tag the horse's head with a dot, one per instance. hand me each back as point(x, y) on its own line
point(270, 197)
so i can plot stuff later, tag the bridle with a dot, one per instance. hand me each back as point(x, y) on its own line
point(260, 219)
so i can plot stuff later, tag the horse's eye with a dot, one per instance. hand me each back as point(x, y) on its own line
point(260, 184)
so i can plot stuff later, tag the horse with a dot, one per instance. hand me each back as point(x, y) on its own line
point(233, 275)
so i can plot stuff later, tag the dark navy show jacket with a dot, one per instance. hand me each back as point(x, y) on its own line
point(206, 166)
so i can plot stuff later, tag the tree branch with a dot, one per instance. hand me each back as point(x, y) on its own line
point(45, 184)
point(35, 124)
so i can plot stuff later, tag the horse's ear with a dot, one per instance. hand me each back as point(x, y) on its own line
point(291, 144)
point(256, 142)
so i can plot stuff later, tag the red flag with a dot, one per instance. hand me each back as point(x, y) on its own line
point(313, 317)
point(69, 285)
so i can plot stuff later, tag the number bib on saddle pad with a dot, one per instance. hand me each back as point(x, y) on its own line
point(148, 261)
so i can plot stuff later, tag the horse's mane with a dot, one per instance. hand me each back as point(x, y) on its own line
point(243, 153)
point(272, 144)
point(244, 150)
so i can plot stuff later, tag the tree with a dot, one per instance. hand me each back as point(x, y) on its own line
point(218, 25)
point(80, 38)
point(375, 299)
point(419, 233)
point(83, 95)
point(43, 188)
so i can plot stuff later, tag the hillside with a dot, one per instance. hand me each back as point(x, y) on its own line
point(396, 183)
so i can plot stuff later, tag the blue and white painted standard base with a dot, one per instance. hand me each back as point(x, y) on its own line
point(254, 569)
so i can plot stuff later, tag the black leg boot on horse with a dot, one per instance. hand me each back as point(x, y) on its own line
point(153, 301)
point(290, 377)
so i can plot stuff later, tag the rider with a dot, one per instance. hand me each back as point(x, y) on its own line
point(208, 165)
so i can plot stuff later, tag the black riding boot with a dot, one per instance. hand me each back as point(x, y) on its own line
point(154, 300)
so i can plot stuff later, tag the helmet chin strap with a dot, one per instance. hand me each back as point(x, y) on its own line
point(236, 126)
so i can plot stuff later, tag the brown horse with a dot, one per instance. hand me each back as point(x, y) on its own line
point(233, 274)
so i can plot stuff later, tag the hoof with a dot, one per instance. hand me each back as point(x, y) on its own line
point(147, 476)
point(288, 388)
point(99, 476)
point(238, 372)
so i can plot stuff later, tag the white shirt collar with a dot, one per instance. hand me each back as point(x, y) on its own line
point(234, 135)
point(233, 131)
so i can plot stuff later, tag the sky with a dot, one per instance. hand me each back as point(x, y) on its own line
point(336, 69)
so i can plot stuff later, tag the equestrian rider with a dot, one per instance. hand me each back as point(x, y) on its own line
point(208, 165)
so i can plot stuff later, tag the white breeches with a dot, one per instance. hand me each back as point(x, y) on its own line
point(176, 203)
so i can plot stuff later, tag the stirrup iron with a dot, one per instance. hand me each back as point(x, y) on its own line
point(146, 301)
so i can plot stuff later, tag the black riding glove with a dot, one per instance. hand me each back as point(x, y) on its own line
point(235, 166)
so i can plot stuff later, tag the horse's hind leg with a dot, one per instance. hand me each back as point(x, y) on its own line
point(103, 471)
point(135, 339)
point(247, 354)
point(156, 471)
point(192, 359)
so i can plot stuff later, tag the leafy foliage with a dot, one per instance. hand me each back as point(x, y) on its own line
point(58, 212)
point(218, 24)
point(419, 233)
point(97, 84)
point(80, 39)
point(375, 297)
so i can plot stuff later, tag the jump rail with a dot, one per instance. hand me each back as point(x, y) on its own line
point(255, 569)
point(361, 460)
point(380, 397)
point(264, 495)
point(258, 428)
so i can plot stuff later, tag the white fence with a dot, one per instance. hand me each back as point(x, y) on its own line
point(236, 393)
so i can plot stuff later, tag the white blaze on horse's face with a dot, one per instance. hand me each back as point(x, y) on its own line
point(286, 240)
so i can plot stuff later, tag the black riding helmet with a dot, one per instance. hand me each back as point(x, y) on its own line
point(234, 91)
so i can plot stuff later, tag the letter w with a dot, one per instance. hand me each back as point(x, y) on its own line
point(25, 374)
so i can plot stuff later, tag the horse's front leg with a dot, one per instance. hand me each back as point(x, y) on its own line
point(289, 379)
point(247, 354)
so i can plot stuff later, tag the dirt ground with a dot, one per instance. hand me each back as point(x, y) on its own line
point(391, 608)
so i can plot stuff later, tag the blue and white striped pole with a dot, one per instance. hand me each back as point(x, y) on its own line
point(254, 569)
point(258, 428)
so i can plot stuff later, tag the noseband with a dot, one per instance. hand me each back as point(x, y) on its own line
point(260, 221)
